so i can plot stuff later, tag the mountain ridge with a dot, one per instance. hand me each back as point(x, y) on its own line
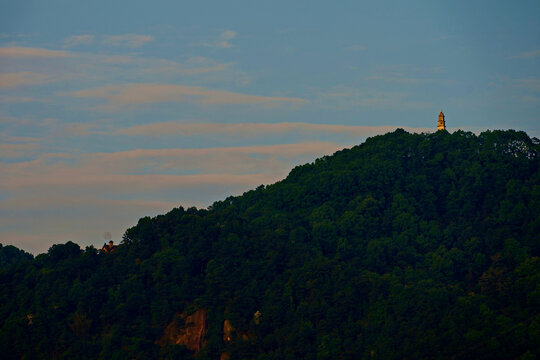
point(405, 246)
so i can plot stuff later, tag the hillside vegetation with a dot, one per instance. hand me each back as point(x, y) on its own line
point(407, 246)
point(10, 255)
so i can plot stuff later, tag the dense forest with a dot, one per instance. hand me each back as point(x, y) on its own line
point(10, 255)
point(407, 246)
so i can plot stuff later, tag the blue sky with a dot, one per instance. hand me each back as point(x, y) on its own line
point(113, 110)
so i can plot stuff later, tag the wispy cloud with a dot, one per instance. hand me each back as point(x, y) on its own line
point(195, 65)
point(531, 84)
point(156, 93)
point(344, 97)
point(127, 40)
point(17, 150)
point(530, 99)
point(254, 129)
point(107, 184)
point(288, 151)
point(124, 171)
point(18, 99)
point(32, 66)
point(80, 129)
point(79, 196)
point(201, 65)
point(113, 59)
point(526, 55)
point(400, 78)
point(525, 89)
point(223, 40)
point(11, 80)
point(24, 52)
point(406, 74)
point(77, 40)
point(225, 37)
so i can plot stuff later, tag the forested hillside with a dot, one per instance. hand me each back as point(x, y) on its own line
point(10, 255)
point(407, 246)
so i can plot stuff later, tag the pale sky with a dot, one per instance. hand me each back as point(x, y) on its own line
point(114, 110)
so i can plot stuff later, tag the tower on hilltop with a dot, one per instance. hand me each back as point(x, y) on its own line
point(441, 125)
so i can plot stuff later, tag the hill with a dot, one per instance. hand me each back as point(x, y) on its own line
point(406, 246)
point(10, 255)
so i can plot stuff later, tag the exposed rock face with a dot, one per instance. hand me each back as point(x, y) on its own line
point(230, 333)
point(187, 330)
point(227, 331)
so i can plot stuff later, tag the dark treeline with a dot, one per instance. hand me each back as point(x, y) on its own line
point(10, 255)
point(406, 246)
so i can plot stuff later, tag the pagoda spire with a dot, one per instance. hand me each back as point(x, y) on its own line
point(441, 125)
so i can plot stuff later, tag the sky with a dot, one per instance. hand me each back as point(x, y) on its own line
point(115, 110)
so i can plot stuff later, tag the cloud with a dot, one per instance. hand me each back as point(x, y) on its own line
point(380, 96)
point(11, 80)
point(202, 175)
point(25, 52)
point(126, 184)
point(80, 129)
point(17, 150)
point(406, 74)
point(78, 40)
point(141, 170)
point(527, 55)
point(19, 138)
point(78, 197)
point(193, 66)
point(157, 93)
point(220, 159)
point(223, 40)
point(114, 59)
point(531, 84)
point(344, 97)
point(227, 35)
point(6, 119)
point(201, 65)
point(530, 99)
point(399, 78)
point(254, 129)
point(31, 66)
point(18, 99)
point(127, 40)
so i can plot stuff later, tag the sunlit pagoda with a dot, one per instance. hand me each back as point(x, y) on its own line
point(441, 125)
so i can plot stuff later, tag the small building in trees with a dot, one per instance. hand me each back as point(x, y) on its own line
point(109, 248)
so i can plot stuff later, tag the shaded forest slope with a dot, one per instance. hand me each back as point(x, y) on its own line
point(406, 246)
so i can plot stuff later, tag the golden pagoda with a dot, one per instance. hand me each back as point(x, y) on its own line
point(441, 125)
